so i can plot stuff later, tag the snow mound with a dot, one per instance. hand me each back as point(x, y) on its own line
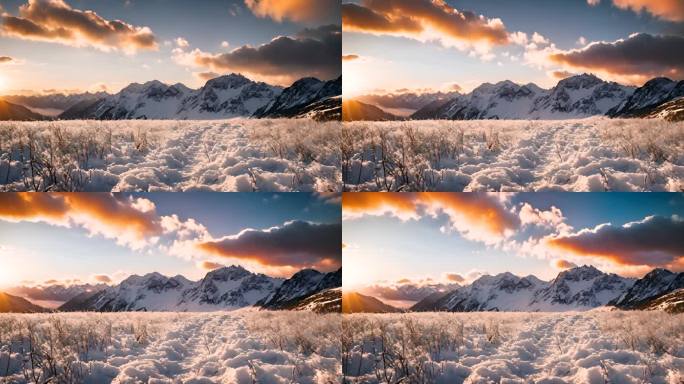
point(592, 347)
point(241, 155)
point(241, 347)
point(593, 154)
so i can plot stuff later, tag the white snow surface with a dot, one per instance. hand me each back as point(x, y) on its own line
point(241, 155)
point(241, 347)
point(595, 347)
point(593, 154)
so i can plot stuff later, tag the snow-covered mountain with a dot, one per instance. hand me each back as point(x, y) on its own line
point(221, 289)
point(223, 97)
point(579, 288)
point(232, 287)
point(649, 97)
point(55, 292)
point(655, 284)
point(302, 284)
point(574, 97)
point(55, 101)
point(296, 100)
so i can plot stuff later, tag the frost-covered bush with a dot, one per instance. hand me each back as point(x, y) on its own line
point(141, 155)
point(595, 154)
point(218, 347)
point(482, 347)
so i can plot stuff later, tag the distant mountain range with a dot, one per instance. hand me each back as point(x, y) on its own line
point(574, 97)
point(577, 289)
point(221, 289)
point(354, 302)
point(223, 97)
point(10, 303)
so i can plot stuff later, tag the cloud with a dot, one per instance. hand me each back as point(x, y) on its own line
point(312, 52)
point(130, 221)
point(295, 10)
point(5, 59)
point(633, 60)
point(210, 265)
point(206, 76)
point(102, 279)
point(671, 10)
point(455, 277)
point(55, 21)
point(423, 20)
point(476, 216)
point(593, 2)
point(350, 57)
point(560, 75)
point(181, 42)
point(299, 244)
point(225, 44)
point(655, 242)
point(563, 264)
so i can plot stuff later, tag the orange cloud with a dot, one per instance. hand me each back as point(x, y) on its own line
point(421, 20)
point(5, 59)
point(563, 264)
point(560, 75)
point(476, 216)
point(633, 60)
point(102, 279)
point(350, 57)
point(455, 277)
point(299, 244)
point(210, 265)
point(56, 21)
point(130, 221)
point(671, 10)
point(654, 242)
point(206, 76)
point(294, 10)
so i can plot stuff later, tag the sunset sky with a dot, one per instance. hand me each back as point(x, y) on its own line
point(416, 240)
point(459, 44)
point(85, 236)
point(79, 45)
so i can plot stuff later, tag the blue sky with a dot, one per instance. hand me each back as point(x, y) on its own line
point(206, 25)
point(40, 251)
point(388, 62)
point(381, 248)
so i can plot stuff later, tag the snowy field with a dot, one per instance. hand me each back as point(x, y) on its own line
point(594, 347)
point(137, 155)
point(243, 347)
point(595, 154)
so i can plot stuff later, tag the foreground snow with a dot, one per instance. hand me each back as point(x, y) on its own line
point(137, 155)
point(245, 346)
point(594, 154)
point(594, 347)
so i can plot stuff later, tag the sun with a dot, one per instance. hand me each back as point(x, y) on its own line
point(353, 83)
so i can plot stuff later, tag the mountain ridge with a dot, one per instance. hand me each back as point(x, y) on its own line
point(224, 288)
point(579, 288)
point(227, 96)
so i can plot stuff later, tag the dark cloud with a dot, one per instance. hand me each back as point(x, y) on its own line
point(412, 18)
point(314, 52)
point(641, 56)
point(56, 21)
point(298, 244)
point(655, 241)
